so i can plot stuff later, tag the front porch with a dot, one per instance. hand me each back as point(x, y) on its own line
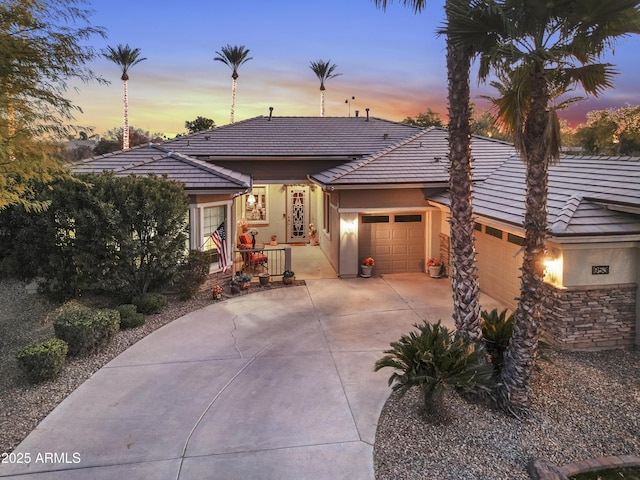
point(308, 262)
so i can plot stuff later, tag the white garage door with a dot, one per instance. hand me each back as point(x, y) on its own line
point(499, 263)
point(395, 241)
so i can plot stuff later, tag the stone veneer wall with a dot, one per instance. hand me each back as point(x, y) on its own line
point(217, 278)
point(589, 318)
point(445, 253)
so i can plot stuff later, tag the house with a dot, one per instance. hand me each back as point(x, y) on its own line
point(378, 188)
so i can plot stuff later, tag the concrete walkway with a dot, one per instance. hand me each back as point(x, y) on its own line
point(274, 385)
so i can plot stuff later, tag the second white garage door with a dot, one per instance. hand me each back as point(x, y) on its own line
point(395, 241)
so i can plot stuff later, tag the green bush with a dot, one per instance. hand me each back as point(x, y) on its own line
point(496, 332)
point(43, 361)
point(129, 316)
point(433, 358)
point(148, 303)
point(85, 329)
point(193, 273)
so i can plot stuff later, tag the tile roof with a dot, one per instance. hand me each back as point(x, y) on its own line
point(422, 158)
point(195, 174)
point(344, 137)
point(588, 195)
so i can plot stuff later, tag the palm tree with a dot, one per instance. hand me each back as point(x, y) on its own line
point(324, 71)
point(540, 50)
point(125, 57)
point(233, 57)
point(464, 275)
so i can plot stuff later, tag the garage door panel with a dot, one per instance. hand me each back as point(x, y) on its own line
point(396, 247)
point(498, 268)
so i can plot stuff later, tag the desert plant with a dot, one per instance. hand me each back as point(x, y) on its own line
point(129, 316)
point(148, 303)
point(496, 333)
point(85, 329)
point(432, 358)
point(44, 360)
point(193, 273)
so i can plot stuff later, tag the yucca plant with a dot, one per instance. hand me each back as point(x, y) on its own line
point(433, 358)
point(497, 329)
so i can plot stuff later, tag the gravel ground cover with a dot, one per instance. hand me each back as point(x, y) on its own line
point(23, 321)
point(585, 405)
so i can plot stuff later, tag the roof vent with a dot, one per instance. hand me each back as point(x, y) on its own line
point(385, 136)
point(270, 112)
point(367, 110)
point(437, 159)
point(207, 137)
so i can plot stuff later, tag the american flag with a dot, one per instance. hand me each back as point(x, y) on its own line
point(219, 237)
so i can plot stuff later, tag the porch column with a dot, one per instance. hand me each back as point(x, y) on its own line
point(348, 261)
point(194, 227)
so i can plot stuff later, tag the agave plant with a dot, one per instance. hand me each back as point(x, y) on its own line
point(433, 358)
point(496, 333)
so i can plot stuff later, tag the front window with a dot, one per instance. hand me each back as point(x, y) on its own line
point(212, 217)
point(254, 205)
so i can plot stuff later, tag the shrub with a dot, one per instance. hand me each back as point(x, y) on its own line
point(193, 273)
point(83, 328)
point(496, 332)
point(129, 316)
point(433, 358)
point(148, 303)
point(44, 360)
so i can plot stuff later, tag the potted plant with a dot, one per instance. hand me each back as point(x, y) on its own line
point(367, 266)
point(216, 292)
point(243, 280)
point(313, 235)
point(288, 277)
point(434, 265)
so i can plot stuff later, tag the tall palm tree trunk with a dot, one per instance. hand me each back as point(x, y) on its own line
point(234, 89)
point(514, 391)
point(125, 116)
point(464, 278)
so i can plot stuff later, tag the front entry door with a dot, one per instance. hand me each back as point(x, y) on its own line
point(297, 214)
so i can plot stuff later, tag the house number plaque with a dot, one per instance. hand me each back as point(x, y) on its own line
point(600, 270)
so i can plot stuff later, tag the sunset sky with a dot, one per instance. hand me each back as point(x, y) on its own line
point(392, 62)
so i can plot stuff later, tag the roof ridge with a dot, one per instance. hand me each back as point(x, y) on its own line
point(356, 164)
point(111, 154)
point(201, 164)
point(566, 214)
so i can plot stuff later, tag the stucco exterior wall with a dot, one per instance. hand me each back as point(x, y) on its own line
point(578, 261)
point(410, 198)
point(348, 264)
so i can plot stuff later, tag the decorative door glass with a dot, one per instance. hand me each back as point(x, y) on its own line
point(298, 209)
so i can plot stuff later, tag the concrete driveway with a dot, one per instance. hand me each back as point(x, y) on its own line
point(274, 385)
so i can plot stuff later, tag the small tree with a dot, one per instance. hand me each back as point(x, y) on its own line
point(425, 119)
point(121, 234)
point(200, 124)
point(44, 45)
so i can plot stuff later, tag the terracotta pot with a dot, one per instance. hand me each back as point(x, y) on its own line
point(435, 271)
point(288, 280)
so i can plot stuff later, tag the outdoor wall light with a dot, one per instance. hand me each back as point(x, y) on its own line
point(349, 227)
point(251, 200)
point(553, 268)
